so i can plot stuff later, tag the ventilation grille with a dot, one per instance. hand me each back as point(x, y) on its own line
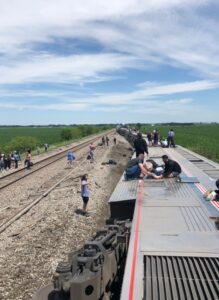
point(154, 183)
point(181, 278)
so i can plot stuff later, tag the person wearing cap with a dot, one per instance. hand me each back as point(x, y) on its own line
point(140, 145)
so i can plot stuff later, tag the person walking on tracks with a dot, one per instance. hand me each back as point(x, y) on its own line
point(140, 145)
point(46, 146)
point(70, 158)
point(91, 152)
point(16, 159)
point(107, 141)
point(85, 192)
point(114, 140)
point(103, 141)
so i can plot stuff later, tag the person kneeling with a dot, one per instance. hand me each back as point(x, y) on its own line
point(171, 167)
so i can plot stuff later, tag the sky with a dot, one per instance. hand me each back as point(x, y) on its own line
point(118, 61)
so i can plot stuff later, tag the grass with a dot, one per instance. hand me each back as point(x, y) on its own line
point(200, 138)
point(49, 135)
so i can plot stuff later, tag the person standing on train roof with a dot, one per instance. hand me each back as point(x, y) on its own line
point(85, 193)
point(156, 137)
point(140, 145)
point(171, 167)
point(149, 137)
point(170, 138)
point(217, 191)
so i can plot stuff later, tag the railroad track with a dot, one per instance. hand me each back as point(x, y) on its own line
point(21, 173)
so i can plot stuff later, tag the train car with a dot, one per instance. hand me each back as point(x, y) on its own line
point(162, 234)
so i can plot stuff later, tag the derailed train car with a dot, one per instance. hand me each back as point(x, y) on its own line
point(91, 273)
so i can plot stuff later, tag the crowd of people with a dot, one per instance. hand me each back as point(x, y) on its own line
point(154, 138)
point(136, 167)
point(139, 168)
point(8, 161)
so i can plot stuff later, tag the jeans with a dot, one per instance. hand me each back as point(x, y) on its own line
point(133, 172)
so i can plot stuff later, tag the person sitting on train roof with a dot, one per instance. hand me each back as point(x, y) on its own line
point(171, 167)
point(140, 145)
point(135, 168)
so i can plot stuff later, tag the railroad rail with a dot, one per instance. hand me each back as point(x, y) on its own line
point(21, 173)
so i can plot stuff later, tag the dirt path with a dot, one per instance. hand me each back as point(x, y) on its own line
point(31, 248)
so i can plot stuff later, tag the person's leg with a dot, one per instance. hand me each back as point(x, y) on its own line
point(173, 174)
point(28, 164)
point(85, 201)
point(133, 172)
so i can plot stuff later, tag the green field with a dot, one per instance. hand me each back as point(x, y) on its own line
point(200, 138)
point(49, 135)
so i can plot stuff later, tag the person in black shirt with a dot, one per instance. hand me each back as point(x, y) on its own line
point(140, 145)
point(217, 191)
point(172, 168)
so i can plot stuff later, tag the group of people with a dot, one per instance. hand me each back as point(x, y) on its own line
point(84, 179)
point(154, 138)
point(106, 140)
point(8, 161)
point(136, 168)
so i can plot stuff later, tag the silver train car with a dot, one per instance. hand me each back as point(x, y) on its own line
point(161, 242)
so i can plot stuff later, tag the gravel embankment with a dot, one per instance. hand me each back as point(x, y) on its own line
point(31, 248)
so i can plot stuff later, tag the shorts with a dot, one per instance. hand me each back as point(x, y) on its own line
point(85, 199)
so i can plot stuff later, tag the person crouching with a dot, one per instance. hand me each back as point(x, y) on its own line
point(135, 168)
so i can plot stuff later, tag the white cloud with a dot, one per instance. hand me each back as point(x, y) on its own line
point(171, 32)
point(128, 33)
point(148, 96)
point(74, 68)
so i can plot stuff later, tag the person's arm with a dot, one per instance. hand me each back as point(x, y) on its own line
point(143, 170)
point(155, 176)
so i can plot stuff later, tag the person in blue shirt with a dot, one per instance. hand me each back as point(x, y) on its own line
point(70, 158)
point(84, 192)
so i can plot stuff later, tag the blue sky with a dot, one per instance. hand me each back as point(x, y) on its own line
point(109, 61)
